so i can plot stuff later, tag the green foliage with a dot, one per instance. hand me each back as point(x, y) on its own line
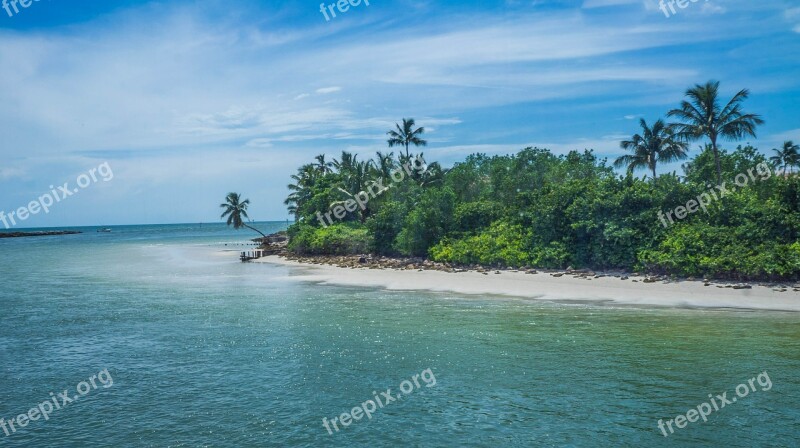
point(338, 239)
point(702, 249)
point(538, 209)
point(427, 223)
point(472, 216)
point(385, 225)
point(501, 244)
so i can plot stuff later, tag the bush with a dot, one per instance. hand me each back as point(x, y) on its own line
point(338, 239)
point(501, 244)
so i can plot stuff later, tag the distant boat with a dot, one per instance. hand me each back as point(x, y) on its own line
point(106, 230)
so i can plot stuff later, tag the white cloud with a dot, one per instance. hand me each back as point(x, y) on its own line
point(325, 90)
point(167, 90)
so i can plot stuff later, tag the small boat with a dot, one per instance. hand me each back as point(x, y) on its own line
point(106, 230)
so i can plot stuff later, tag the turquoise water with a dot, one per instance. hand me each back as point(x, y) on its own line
point(206, 351)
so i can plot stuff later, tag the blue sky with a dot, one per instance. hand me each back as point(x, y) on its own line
point(188, 100)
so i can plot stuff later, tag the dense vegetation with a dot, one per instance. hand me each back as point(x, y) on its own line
point(542, 210)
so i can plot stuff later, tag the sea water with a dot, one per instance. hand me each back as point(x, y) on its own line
point(205, 350)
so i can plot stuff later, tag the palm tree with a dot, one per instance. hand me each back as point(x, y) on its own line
point(302, 189)
point(356, 177)
point(656, 144)
point(703, 117)
point(406, 135)
point(385, 164)
point(788, 157)
point(323, 166)
point(346, 162)
point(235, 210)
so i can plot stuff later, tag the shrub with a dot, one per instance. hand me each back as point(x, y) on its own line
point(338, 239)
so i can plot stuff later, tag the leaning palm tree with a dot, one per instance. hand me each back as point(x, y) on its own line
point(787, 157)
point(656, 144)
point(406, 135)
point(235, 210)
point(702, 116)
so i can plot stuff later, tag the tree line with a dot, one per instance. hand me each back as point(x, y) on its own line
point(541, 210)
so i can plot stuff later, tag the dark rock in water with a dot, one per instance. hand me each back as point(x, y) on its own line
point(42, 233)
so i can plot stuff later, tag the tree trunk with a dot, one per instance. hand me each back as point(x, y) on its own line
point(253, 228)
point(716, 159)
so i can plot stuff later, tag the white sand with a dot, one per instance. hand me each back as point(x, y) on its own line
point(546, 287)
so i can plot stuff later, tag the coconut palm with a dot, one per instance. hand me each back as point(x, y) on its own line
point(406, 135)
point(323, 166)
point(235, 210)
point(702, 116)
point(656, 144)
point(345, 162)
point(301, 189)
point(385, 164)
point(356, 177)
point(788, 157)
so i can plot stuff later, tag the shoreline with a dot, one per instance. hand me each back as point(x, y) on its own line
point(555, 286)
point(39, 233)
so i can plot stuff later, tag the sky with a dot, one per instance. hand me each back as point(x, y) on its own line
point(185, 101)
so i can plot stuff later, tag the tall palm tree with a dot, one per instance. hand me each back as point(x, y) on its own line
point(702, 116)
point(656, 144)
point(406, 135)
point(235, 210)
point(787, 157)
point(323, 166)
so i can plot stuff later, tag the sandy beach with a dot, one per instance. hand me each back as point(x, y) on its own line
point(544, 286)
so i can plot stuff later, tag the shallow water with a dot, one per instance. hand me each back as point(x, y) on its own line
point(206, 351)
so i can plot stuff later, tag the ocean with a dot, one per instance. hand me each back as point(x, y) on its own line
point(157, 336)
